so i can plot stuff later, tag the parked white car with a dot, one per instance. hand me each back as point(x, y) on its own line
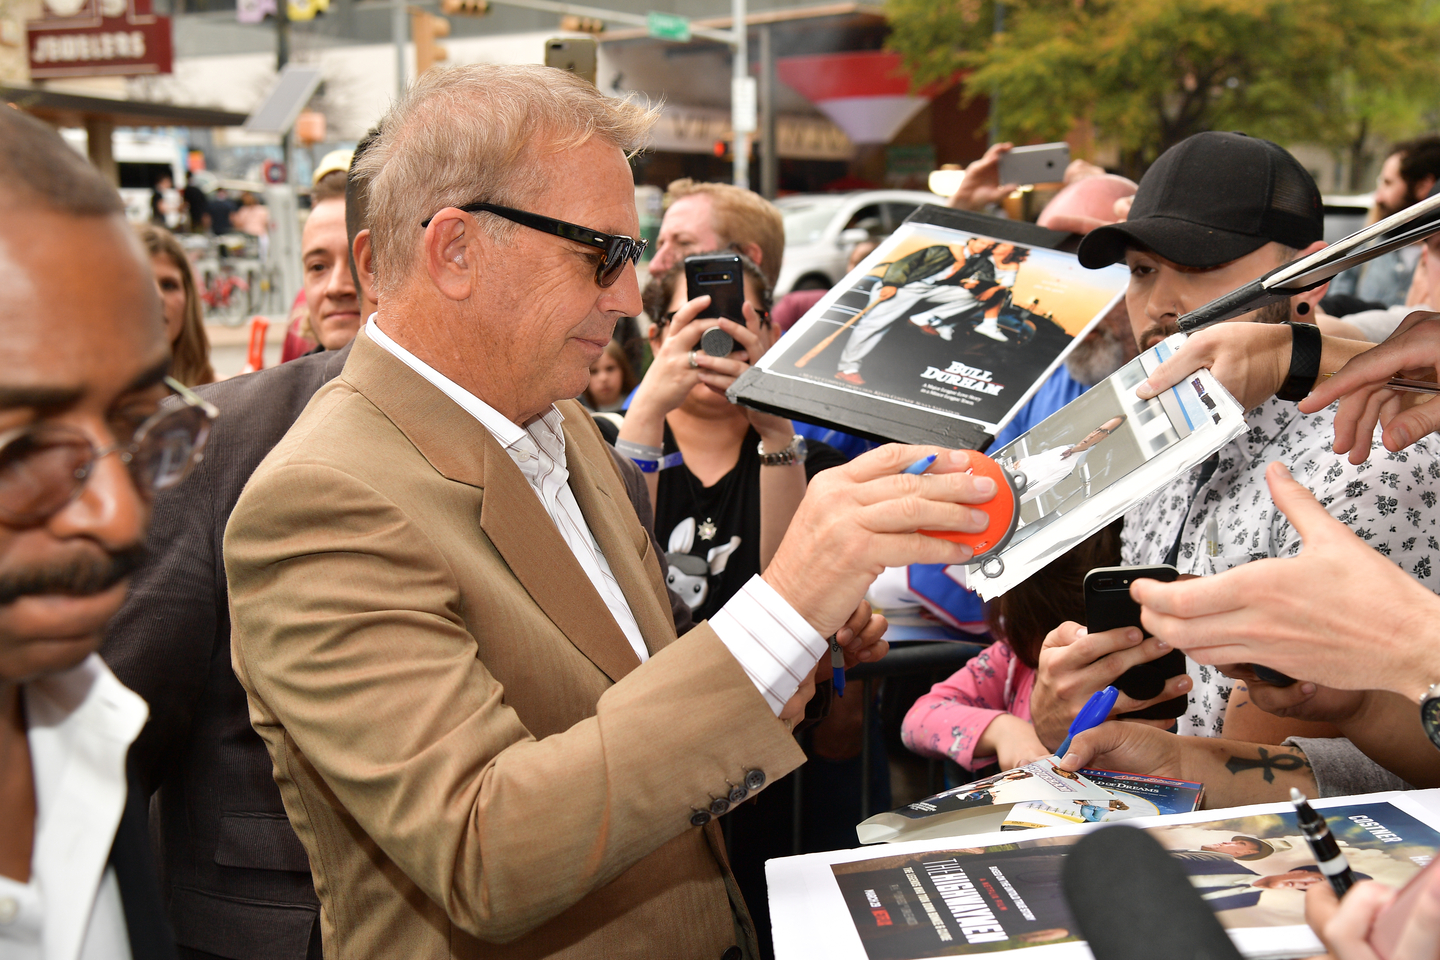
point(822, 228)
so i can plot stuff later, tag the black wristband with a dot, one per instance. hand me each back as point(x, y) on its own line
point(1304, 362)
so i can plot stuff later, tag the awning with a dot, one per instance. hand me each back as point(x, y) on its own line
point(74, 110)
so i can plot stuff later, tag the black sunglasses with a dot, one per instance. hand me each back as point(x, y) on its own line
point(617, 249)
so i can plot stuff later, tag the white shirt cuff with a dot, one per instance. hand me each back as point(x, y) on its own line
point(775, 646)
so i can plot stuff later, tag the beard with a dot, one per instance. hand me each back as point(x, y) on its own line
point(76, 578)
point(1100, 354)
point(1277, 312)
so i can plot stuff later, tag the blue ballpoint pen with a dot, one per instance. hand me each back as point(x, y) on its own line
point(1096, 709)
point(921, 465)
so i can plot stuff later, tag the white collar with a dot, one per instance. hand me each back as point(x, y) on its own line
point(80, 726)
point(506, 431)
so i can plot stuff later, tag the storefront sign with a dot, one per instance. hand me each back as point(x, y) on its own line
point(696, 129)
point(98, 38)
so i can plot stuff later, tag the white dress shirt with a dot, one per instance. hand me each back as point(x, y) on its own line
point(80, 725)
point(775, 646)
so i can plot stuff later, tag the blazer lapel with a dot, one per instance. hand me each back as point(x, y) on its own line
point(460, 448)
point(617, 530)
point(512, 517)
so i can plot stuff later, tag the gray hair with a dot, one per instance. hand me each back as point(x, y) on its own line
point(464, 134)
point(38, 168)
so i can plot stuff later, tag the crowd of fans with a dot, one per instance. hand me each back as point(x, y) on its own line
point(424, 652)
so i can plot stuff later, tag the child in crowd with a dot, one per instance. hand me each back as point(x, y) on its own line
point(611, 380)
point(981, 714)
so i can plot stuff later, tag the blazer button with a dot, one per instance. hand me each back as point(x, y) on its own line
point(699, 818)
point(754, 779)
point(738, 793)
point(732, 953)
point(718, 805)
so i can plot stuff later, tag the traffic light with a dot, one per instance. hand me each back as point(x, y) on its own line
point(574, 24)
point(465, 8)
point(425, 29)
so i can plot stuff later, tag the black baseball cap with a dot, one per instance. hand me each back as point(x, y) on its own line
point(1213, 198)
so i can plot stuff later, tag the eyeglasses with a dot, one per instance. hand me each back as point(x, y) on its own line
point(617, 249)
point(760, 312)
point(44, 466)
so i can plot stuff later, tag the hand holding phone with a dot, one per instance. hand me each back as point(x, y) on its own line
point(721, 277)
point(1108, 605)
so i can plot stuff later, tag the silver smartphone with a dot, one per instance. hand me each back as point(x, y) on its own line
point(1042, 163)
point(575, 54)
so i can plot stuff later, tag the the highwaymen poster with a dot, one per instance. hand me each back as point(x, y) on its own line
point(937, 324)
point(1252, 870)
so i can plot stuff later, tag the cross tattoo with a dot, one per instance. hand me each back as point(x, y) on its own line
point(1282, 761)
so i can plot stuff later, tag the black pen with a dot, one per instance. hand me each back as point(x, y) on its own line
point(1322, 844)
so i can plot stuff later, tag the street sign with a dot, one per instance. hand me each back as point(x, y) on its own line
point(667, 26)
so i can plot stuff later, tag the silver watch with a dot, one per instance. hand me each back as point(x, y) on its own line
point(795, 453)
point(1430, 713)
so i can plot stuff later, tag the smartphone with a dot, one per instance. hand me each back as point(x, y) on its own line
point(1386, 931)
point(575, 54)
point(721, 277)
point(1042, 163)
point(1108, 605)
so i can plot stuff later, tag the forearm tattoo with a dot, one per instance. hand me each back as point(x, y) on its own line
point(1267, 763)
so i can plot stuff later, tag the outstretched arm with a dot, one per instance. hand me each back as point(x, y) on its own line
point(1233, 772)
point(1300, 615)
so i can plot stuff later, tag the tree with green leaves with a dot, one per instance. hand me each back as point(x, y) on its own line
point(1149, 73)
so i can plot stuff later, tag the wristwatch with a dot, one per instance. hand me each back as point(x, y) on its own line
point(795, 453)
point(1430, 713)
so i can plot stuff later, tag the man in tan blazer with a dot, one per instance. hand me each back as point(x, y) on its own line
point(453, 630)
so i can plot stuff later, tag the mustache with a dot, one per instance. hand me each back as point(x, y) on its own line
point(76, 578)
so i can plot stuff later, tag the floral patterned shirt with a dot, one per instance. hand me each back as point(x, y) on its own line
point(950, 719)
point(1388, 500)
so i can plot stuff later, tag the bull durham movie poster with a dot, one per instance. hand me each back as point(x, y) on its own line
point(979, 900)
point(939, 321)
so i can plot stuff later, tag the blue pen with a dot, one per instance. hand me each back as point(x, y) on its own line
point(1096, 709)
point(921, 465)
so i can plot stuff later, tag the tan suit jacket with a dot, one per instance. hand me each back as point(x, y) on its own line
point(465, 742)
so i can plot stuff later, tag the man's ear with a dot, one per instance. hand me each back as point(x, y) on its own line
point(451, 247)
point(753, 251)
point(1310, 297)
point(362, 264)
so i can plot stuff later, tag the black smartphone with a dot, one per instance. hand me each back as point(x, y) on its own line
point(721, 277)
point(1108, 605)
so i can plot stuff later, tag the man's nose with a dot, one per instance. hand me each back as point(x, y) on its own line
point(109, 509)
point(623, 296)
point(1167, 295)
point(342, 284)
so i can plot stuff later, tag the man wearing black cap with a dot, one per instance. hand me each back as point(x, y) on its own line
point(1216, 211)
